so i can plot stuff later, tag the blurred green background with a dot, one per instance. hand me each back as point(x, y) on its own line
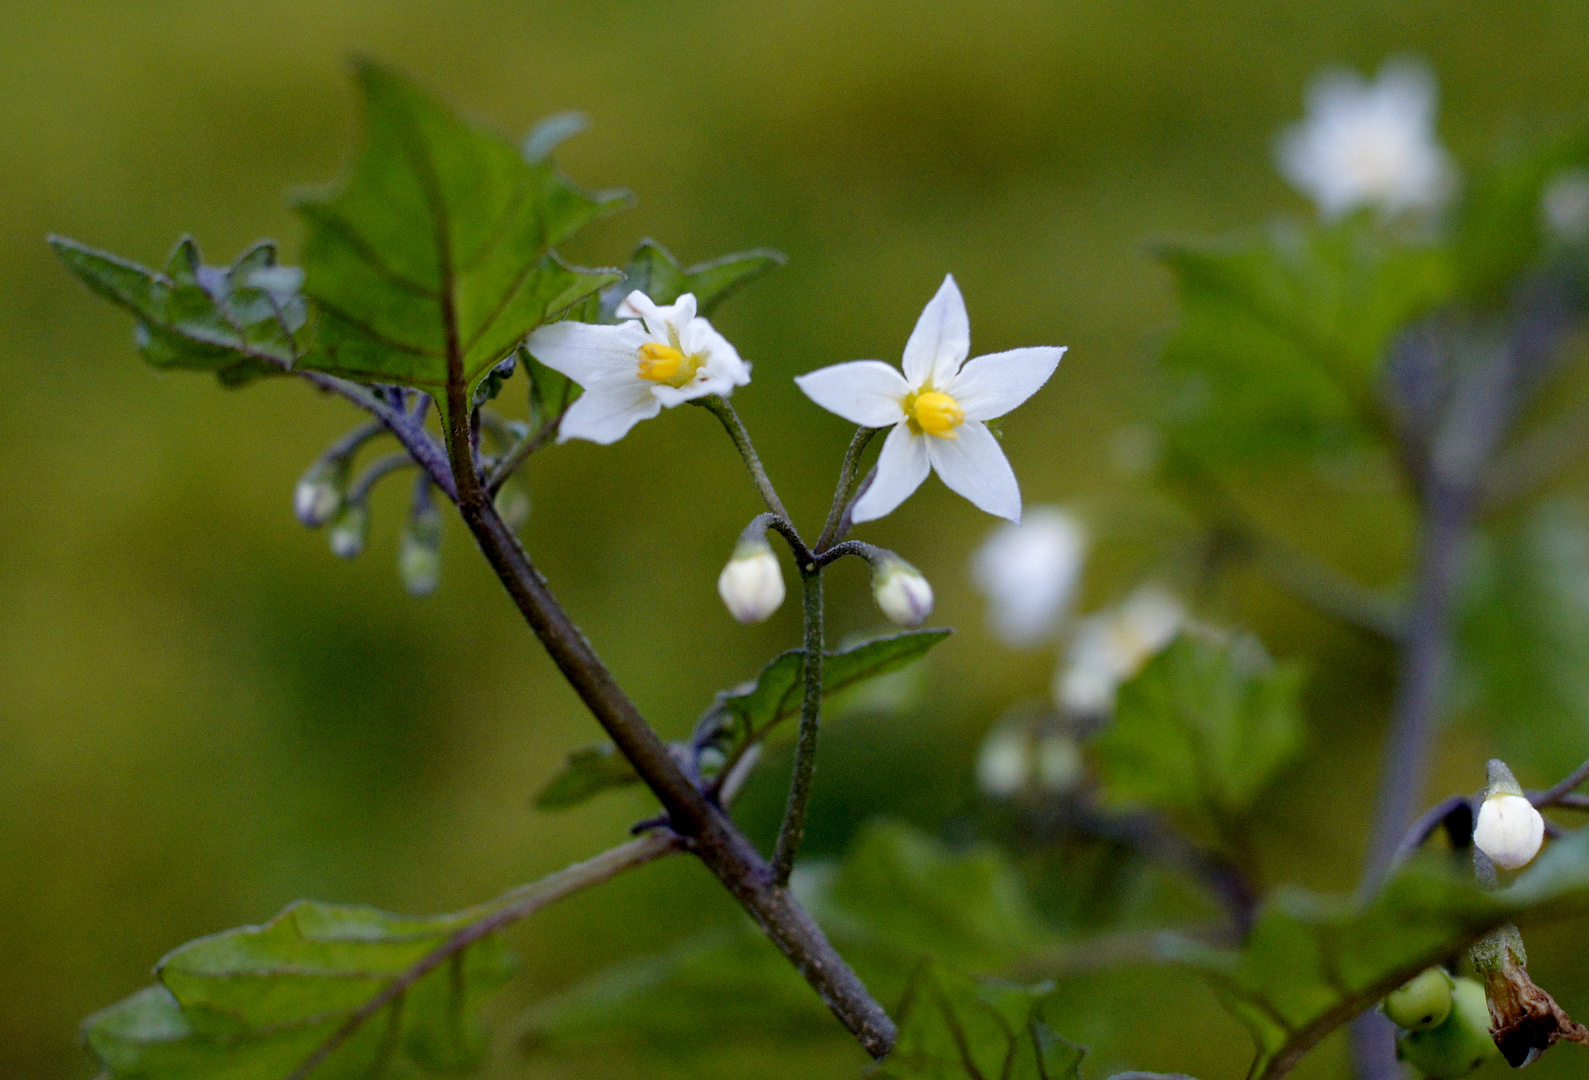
point(203, 715)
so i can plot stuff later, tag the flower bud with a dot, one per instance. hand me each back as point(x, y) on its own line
point(751, 585)
point(513, 504)
point(1458, 1045)
point(900, 590)
point(1509, 830)
point(350, 530)
point(320, 491)
point(419, 551)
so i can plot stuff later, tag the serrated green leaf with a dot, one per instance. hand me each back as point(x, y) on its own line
point(257, 1002)
point(952, 1027)
point(1523, 641)
point(896, 898)
point(910, 893)
point(437, 250)
point(1202, 730)
point(586, 772)
point(746, 712)
point(654, 271)
point(239, 322)
point(1282, 337)
point(1313, 963)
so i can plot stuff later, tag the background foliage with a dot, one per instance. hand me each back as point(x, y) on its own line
point(203, 716)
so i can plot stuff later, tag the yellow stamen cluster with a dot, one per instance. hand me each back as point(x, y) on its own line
point(665, 364)
point(934, 413)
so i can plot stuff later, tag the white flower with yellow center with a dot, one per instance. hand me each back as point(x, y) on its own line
point(937, 410)
point(658, 356)
point(1369, 144)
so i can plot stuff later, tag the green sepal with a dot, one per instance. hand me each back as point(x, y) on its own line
point(654, 271)
point(240, 322)
point(437, 248)
point(255, 1003)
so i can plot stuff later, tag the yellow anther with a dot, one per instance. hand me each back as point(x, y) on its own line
point(935, 413)
point(658, 362)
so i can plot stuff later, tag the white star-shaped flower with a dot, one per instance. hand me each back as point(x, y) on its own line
point(1369, 144)
point(1029, 574)
point(937, 410)
point(658, 356)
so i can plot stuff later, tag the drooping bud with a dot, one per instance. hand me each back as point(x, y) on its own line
point(751, 585)
point(350, 530)
point(1509, 830)
point(419, 550)
point(320, 490)
point(900, 590)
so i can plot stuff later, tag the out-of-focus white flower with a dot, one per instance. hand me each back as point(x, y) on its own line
point(901, 591)
point(1029, 572)
point(1369, 144)
point(658, 356)
point(320, 490)
point(1005, 762)
point(1110, 647)
point(1509, 830)
point(751, 584)
point(1029, 753)
point(1565, 205)
point(936, 410)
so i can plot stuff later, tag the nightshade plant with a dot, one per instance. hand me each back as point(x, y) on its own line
point(431, 277)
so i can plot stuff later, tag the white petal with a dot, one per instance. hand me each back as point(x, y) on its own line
point(991, 386)
point(901, 467)
point(606, 411)
point(683, 310)
point(585, 353)
point(637, 305)
point(972, 465)
point(722, 371)
point(865, 392)
point(941, 340)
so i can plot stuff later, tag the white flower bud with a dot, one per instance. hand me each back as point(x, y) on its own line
point(901, 591)
point(419, 550)
point(319, 493)
point(350, 531)
point(751, 585)
point(513, 505)
point(1509, 830)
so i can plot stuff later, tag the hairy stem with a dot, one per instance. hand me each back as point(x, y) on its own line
point(735, 427)
point(793, 828)
point(849, 478)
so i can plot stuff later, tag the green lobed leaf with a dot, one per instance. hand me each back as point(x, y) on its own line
point(437, 249)
point(1282, 337)
point(746, 712)
point(257, 1002)
point(587, 771)
point(240, 322)
point(1523, 640)
point(1202, 730)
point(897, 898)
point(1313, 963)
point(953, 1027)
point(1499, 227)
point(654, 271)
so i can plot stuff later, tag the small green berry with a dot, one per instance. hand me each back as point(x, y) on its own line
point(1424, 1002)
point(1459, 1045)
